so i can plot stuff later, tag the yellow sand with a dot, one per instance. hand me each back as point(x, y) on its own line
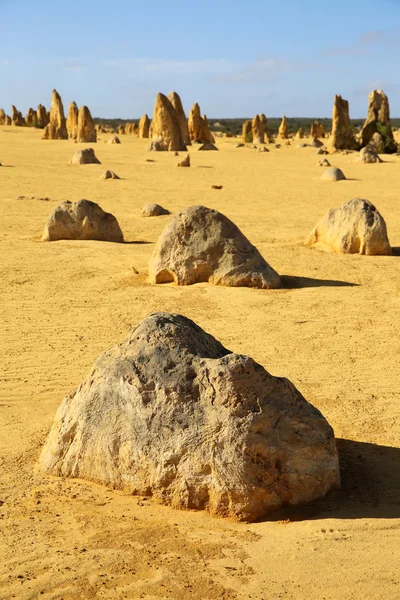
point(334, 331)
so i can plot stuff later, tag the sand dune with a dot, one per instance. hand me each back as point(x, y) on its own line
point(333, 330)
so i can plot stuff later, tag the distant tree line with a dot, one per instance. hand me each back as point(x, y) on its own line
point(234, 126)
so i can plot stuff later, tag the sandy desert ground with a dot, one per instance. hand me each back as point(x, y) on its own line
point(334, 331)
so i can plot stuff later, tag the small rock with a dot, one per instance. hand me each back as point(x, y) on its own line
point(153, 210)
point(333, 174)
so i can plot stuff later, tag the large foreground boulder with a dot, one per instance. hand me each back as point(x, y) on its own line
point(84, 157)
point(172, 414)
point(83, 220)
point(356, 227)
point(202, 245)
point(57, 126)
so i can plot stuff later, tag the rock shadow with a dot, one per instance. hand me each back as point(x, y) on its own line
point(291, 282)
point(370, 484)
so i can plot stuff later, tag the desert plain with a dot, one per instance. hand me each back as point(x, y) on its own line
point(333, 330)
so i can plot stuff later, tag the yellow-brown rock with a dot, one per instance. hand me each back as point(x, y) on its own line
point(378, 121)
point(72, 121)
point(317, 130)
point(86, 129)
point(198, 127)
point(165, 129)
point(57, 126)
point(41, 117)
point(258, 130)
point(144, 127)
point(247, 131)
point(342, 137)
point(180, 113)
point(2, 117)
point(31, 118)
point(282, 131)
point(16, 117)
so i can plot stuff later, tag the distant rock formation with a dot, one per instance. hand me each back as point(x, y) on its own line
point(180, 113)
point(86, 130)
point(317, 130)
point(31, 118)
point(342, 137)
point(165, 129)
point(114, 140)
point(198, 127)
point(300, 134)
point(283, 131)
point(72, 121)
point(378, 121)
point(247, 132)
point(356, 227)
point(41, 115)
point(57, 127)
point(2, 117)
point(258, 130)
point(144, 127)
point(16, 117)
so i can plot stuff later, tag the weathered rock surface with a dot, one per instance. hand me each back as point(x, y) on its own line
point(323, 162)
point(342, 137)
point(41, 116)
point(72, 121)
point(180, 113)
point(2, 117)
point(247, 132)
point(144, 127)
point(317, 130)
point(185, 162)
point(172, 414)
point(31, 118)
point(202, 245)
point(57, 126)
point(165, 129)
point(16, 117)
point(368, 155)
point(378, 121)
point(153, 210)
point(283, 131)
point(198, 127)
point(7, 120)
point(86, 130)
point(83, 220)
point(356, 227)
point(258, 130)
point(114, 140)
point(333, 174)
point(109, 175)
point(84, 157)
point(299, 134)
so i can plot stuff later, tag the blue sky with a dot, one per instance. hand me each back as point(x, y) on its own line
point(235, 58)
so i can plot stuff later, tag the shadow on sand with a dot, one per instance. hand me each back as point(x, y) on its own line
point(290, 282)
point(396, 250)
point(137, 242)
point(370, 484)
